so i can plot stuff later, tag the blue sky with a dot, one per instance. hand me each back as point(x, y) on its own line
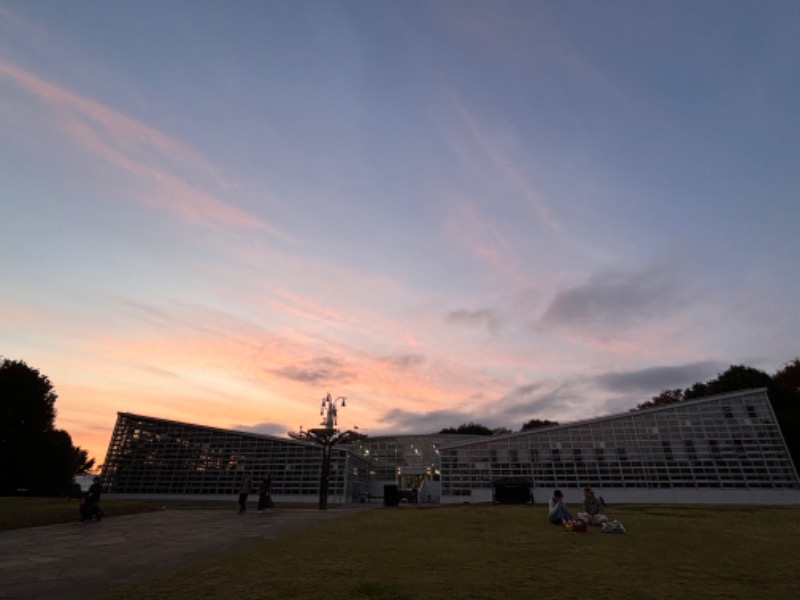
point(445, 211)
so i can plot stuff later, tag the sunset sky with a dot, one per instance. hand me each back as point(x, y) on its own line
point(446, 211)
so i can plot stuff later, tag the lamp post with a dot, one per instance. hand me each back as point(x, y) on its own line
point(327, 437)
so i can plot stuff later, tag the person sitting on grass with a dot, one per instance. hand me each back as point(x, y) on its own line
point(592, 513)
point(559, 515)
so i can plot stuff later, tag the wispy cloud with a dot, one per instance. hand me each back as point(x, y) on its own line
point(569, 399)
point(323, 370)
point(652, 380)
point(479, 233)
point(509, 172)
point(400, 420)
point(404, 361)
point(485, 217)
point(221, 354)
point(151, 157)
point(612, 302)
point(556, 400)
point(481, 317)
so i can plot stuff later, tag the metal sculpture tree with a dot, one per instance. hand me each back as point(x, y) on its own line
point(327, 437)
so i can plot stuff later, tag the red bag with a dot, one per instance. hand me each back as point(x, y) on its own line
point(579, 527)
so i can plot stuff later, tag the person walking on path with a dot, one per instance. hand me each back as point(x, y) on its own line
point(265, 494)
point(244, 491)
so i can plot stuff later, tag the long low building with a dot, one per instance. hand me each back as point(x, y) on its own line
point(148, 456)
point(718, 449)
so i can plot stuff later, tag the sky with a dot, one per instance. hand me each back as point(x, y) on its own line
point(444, 211)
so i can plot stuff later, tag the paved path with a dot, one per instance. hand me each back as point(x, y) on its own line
point(75, 560)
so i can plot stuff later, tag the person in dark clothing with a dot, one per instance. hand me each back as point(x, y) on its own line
point(90, 507)
point(244, 491)
point(265, 494)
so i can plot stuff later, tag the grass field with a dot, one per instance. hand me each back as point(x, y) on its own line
point(503, 552)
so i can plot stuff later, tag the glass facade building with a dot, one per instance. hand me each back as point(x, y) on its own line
point(714, 449)
point(408, 461)
point(726, 448)
point(154, 456)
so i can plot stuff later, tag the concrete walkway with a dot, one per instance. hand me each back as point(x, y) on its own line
point(76, 560)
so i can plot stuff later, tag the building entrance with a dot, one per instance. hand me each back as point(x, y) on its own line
point(410, 480)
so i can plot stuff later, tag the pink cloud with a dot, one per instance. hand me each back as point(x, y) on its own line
point(137, 149)
point(242, 364)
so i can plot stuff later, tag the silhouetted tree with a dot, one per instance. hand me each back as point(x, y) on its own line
point(734, 379)
point(536, 423)
point(698, 390)
point(81, 460)
point(501, 431)
point(469, 429)
point(784, 393)
point(786, 383)
point(34, 455)
point(664, 398)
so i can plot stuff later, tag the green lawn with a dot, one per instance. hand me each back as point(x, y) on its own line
point(502, 552)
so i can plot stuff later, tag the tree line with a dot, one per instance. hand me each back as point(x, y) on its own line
point(478, 429)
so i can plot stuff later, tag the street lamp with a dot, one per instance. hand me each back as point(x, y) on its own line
point(329, 412)
point(327, 437)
